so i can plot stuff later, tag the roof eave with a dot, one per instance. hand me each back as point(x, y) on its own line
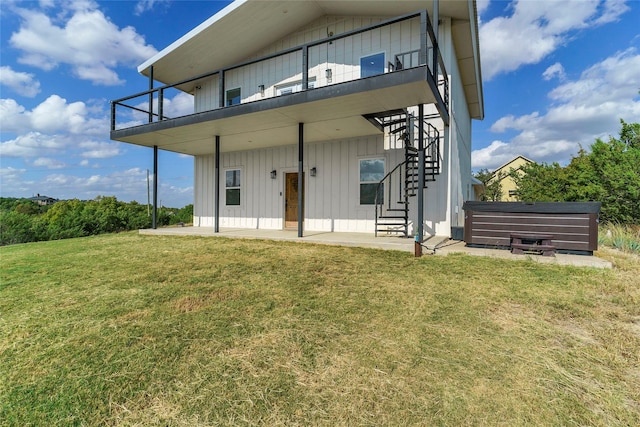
point(145, 66)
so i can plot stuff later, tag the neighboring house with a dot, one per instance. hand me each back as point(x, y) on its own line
point(337, 116)
point(43, 200)
point(508, 185)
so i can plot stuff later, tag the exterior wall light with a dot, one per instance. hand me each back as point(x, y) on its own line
point(261, 89)
point(273, 174)
point(313, 171)
point(329, 75)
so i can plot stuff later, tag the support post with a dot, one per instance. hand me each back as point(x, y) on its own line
point(300, 178)
point(420, 232)
point(113, 115)
point(216, 206)
point(424, 36)
point(436, 48)
point(221, 88)
point(305, 67)
point(151, 95)
point(155, 188)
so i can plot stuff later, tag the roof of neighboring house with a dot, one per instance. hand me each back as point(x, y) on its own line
point(504, 166)
point(244, 27)
point(39, 197)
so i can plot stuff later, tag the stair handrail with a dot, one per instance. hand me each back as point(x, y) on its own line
point(380, 203)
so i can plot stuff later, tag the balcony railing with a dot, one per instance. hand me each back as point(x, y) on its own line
point(310, 66)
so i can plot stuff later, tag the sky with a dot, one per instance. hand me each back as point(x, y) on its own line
point(557, 74)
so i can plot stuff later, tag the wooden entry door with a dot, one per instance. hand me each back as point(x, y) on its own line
point(291, 189)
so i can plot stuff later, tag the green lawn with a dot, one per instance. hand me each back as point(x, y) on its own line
point(180, 331)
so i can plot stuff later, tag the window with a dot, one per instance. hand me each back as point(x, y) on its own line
point(233, 96)
point(232, 187)
point(372, 65)
point(371, 173)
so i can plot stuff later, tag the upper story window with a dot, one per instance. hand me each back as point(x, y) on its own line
point(371, 173)
point(372, 65)
point(233, 96)
point(232, 187)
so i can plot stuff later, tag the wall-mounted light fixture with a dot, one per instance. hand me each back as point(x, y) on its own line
point(273, 174)
point(329, 75)
point(313, 171)
point(261, 89)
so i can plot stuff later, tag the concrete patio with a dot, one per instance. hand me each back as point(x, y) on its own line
point(437, 245)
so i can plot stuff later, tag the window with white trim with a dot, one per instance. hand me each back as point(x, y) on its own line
point(232, 187)
point(371, 173)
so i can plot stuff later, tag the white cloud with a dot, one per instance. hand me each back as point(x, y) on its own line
point(10, 174)
point(612, 9)
point(181, 104)
point(32, 144)
point(145, 5)
point(610, 80)
point(23, 84)
point(100, 150)
point(54, 114)
point(585, 109)
point(48, 163)
point(130, 184)
point(12, 116)
point(537, 28)
point(482, 6)
point(87, 41)
point(554, 71)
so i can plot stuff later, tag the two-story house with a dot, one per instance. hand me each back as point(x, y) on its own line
point(337, 116)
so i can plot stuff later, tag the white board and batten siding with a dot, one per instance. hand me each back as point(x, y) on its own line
point(342, 57)
point(331, 197)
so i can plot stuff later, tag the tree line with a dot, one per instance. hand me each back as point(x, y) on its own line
point(609, 173)
point(23, 220)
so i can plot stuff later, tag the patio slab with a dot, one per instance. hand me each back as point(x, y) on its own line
point(438, 245)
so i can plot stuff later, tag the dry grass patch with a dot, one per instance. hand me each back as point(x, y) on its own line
point(139, 330)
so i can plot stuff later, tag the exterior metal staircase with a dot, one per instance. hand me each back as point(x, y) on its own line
point(395, 190)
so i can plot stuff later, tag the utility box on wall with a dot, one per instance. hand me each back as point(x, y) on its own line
point(457, 233)
point(573, 225)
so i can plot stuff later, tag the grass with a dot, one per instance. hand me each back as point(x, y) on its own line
point(622, 237)
point(180, 331)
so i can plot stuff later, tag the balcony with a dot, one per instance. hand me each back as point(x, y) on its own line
point(321, 86)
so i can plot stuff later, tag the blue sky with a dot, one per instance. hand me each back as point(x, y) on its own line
point(557, 75)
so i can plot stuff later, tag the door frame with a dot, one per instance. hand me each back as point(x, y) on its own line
point(291, 225)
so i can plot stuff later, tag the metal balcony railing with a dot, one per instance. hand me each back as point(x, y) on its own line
point(313, 67)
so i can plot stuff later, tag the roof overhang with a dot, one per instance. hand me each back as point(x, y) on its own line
point(231, 36)
point(328, 113)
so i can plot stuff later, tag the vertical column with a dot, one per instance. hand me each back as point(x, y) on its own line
point(216, 205)
point(420, 220)
point(424, 36)
point(221, 88)
point(305, 67)
point(436, 48)
point(300, 178)
point(154, 221)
